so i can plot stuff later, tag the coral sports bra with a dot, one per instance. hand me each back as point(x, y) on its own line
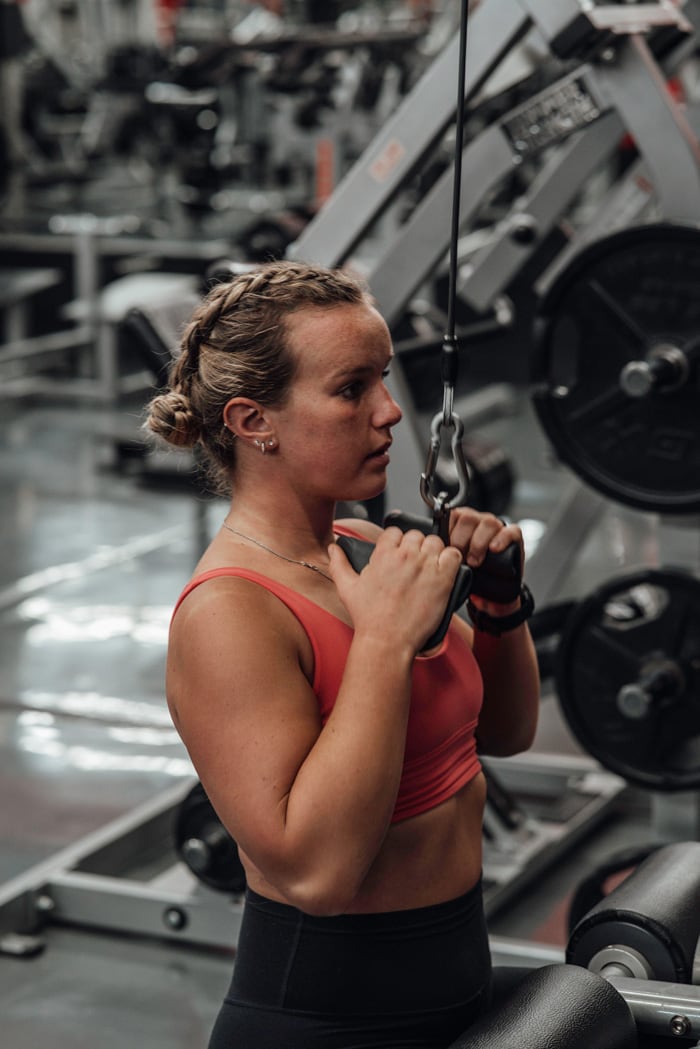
point(447, 691)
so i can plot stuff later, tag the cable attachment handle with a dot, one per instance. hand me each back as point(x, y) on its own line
point(439, 503)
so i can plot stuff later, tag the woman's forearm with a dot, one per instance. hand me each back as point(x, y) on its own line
point(509, 669)
point(339, 807)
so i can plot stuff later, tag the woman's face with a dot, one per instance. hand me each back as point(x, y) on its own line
point(334, 430)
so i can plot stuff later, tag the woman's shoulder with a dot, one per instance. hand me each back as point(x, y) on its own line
point(226, 617)
point(235, 591)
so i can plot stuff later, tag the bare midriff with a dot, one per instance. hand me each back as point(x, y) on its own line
point(427, 859)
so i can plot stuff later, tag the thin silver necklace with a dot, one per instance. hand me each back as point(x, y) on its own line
point(282, 557)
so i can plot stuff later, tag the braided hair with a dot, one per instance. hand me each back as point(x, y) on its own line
point(235, 345)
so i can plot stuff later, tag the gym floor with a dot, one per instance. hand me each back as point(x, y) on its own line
point(92, 562)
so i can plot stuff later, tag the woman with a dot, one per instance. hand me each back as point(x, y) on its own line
point(341, 760)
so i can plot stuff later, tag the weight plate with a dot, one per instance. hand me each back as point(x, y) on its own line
point(205, 846)
point(621, 302)
point(627, 675)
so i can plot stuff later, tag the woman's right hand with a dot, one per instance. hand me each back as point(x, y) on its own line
point(404, 588)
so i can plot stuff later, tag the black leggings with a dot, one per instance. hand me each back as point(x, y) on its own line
point(404, 979)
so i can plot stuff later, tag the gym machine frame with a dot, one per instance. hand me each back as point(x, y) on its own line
point(576, 124)
point(88, 240)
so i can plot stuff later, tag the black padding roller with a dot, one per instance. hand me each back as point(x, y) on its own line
point(555, 1007)
point(649, 924)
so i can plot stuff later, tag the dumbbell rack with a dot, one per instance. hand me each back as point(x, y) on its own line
point(127, 878)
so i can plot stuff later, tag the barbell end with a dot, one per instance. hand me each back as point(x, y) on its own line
point(660, 679)
point(196, 854)
point(636, 379)
point(634, 702)
point(666, 368)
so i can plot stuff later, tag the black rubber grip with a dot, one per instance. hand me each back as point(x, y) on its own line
point(358, 553)
point(406, 522)
point(497, 578)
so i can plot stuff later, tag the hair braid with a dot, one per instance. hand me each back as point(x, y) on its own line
point(235, 345)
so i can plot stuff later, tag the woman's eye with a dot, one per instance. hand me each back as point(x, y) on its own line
point(354, 390)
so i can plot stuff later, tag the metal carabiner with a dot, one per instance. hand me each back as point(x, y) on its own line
point(439, 503)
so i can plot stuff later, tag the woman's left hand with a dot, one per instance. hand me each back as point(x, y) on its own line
point(475, 533)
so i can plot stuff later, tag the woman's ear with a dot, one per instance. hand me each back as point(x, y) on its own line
point(246, 420)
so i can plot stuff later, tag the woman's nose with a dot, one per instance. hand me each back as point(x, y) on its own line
point(389, 411)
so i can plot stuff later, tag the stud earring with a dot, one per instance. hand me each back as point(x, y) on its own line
point(264, 445)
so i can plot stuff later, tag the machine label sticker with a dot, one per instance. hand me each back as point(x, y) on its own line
point(392, 155)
